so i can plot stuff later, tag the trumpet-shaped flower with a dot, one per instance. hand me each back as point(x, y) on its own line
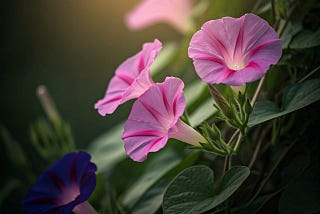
point(234, 51)
point(155, 117)
point(149, 12)
point(64, 187)
point(132, 78)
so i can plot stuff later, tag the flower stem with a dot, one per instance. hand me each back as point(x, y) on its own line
point(237, 145)
point(309, 74)
point(273, 14)
point(274, 167)
point(290, 13)
point(233, 136)
point(256, 94)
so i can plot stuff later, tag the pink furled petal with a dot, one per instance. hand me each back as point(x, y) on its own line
point(132, 78)
point(234, 51)
point(149, 12)
point(151, 118)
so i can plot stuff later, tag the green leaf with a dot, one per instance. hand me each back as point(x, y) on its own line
point(263, 111)
point(306, 39)
point(191, 92)
point(257, 204)
point(231, 181)
point(192, 191)
point(291, 30)
point(151, 199)
point(203, 112)
point(107, 150)
point(165, 56)
point(301, 94)
point(158, 166)
point(295, 97)
point(199, 102)
point(302, 195)
point(221, 102)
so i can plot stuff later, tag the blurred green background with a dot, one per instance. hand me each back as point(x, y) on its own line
point(72, 47)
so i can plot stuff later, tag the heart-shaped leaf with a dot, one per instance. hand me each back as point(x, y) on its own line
point(192, 191)
point(295, 97)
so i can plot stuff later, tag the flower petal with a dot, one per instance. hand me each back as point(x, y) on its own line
point(132, 78)
point(234, 51)
point(149, 12)
point(152, 116)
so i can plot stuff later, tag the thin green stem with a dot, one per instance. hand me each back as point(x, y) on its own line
point(273, 14)
point(309, 74)
point(264, 182)
point(233, 136)
point(256, 94)
point(230, 162)
point(227, 161)
point(275, 131)
point(226, 166)
point(290, 13)
point(258, 147)
point(237, 145)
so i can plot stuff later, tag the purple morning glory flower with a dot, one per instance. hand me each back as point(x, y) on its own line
point(64, 187)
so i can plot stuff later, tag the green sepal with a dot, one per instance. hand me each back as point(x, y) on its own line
point(215, 142)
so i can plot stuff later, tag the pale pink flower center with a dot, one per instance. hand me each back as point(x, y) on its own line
point(69, 194)
point(236, 65)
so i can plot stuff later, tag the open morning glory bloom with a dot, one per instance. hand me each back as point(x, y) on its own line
point(132, 78)
point(155, 117)
point(64, 187)
point(149, 12)
point(234, 51)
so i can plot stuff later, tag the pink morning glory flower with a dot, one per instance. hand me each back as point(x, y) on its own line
point(64, 187)
point(234, 51)
point(155, 117)
point(132, 78)
point(149, 12)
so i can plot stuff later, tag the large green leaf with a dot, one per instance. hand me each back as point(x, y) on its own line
point(192, 191)
point(203, 112)
point(151, 200)
point(107, 150)
point(165, 56)
point(295, 97)
point(193, 91)
point(158, 166)
point(306, 39)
